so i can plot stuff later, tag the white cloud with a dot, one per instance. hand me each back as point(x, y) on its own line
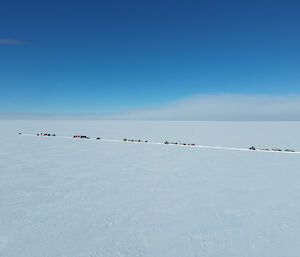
point(200, 107)
point(8, 41)
point(224, 107)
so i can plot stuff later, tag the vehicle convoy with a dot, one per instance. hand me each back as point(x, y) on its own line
point(252, 148)
point(46, 134)
point(135, 140)
point(81, 137)
point(273, 149)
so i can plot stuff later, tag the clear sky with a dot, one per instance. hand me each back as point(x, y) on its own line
point(108, 56)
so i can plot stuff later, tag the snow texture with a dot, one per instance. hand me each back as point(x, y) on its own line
point(82, 198)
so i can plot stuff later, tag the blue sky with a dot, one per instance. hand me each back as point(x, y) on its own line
point(110, 56)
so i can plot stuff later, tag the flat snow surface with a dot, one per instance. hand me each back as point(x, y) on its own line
point(71, 198)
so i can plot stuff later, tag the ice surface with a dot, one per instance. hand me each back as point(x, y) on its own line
point(65, 197)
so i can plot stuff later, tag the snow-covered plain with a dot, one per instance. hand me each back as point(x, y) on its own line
point(82, 198)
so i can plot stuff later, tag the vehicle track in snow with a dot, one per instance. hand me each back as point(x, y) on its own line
point(169, 144)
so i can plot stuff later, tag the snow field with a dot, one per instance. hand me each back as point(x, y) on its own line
point(66, 197)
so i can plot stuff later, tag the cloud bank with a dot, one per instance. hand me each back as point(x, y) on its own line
point(6, 41)
point(225, 107)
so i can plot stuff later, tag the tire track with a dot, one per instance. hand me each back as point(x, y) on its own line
point(169, 144)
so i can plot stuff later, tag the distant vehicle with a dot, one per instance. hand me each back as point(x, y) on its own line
point(45, 134)
point(53, 135)
point(166, 143)
point(252, 148)
point(81, 137)
point(98, 138)
point(289, 150)
point(124, 140)
point(276, 149)
point(19, 133)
